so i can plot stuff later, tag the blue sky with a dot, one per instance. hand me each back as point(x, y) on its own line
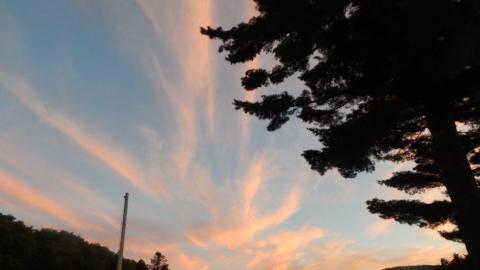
point(98, 98)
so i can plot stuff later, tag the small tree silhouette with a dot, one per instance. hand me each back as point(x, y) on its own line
point(159, 262)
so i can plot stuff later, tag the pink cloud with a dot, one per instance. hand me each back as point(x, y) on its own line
point(254, 179)
point(341, 254)
point(177, 258)
point(381, 226)
point(281, 250)
point(30, 197)
point(90, 199)
point(237, 232)
point(111, 156)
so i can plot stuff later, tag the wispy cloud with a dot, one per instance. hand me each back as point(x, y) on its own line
point(191, 94)
point(380, 227)
point(109, 155)
point(240, 225)
point(282, 250)
point(29, 196)
point(57, 184)
point(255, 176)
point(93, 204)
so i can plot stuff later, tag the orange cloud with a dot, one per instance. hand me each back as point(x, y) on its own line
point(233, 226)
point(346, 254)
point(280, 250)
point(184, 261)
point(34, 199)
point(396, 168)
point(253, 181)
point(87, 195)
point(238, 232)
point(111, 156)
point(380, 226)
point(434, 195)
point(177, 259)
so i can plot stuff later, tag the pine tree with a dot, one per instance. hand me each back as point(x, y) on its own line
point(424, 176)
point(377, 74)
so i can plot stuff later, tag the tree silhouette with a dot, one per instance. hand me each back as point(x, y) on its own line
point(142, 264)
point(378, 74)
point(456, 263)
point(159, 262)
point(424, 176)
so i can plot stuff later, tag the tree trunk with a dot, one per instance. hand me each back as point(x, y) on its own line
point(457, 176)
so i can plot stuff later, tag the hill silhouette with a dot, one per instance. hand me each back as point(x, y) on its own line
point(457, 262)
point(416, 267)
point(22, 247)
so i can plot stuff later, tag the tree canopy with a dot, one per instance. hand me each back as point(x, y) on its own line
point(378, 74)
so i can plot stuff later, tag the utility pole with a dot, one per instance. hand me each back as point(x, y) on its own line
point(122, 237)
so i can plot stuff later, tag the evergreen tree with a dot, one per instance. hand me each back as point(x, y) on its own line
point(424, 176)
point(377, 74)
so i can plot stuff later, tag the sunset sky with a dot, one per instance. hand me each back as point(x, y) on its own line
point(103, 97)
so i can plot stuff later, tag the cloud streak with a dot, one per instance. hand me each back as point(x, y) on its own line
point(281, 250)
point(239, 226)
point(191, 94)
point(111, 156)
point(34, 199)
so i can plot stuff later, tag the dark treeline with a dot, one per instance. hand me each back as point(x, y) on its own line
point(22, 247)
point(458, 262)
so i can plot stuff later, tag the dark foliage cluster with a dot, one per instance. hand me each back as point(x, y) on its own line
point(458, 262)
point(22, 248)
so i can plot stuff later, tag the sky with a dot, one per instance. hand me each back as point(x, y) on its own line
point(99, 98)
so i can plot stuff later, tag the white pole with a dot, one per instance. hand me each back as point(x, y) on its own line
point(122, 237)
